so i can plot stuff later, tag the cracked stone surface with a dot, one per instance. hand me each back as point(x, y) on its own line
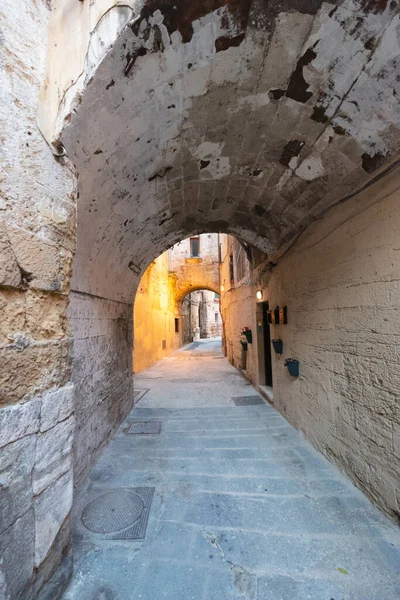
point(243, 507)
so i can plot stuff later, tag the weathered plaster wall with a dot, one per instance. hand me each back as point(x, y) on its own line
point(37, 241)
point(154, 316)
point(80, 33)
point(237, 306)
point(341, 284)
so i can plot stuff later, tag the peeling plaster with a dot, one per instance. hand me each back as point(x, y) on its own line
point(192, 139)
point(311, 168)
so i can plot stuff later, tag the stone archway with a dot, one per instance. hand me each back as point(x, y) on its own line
point(237, 146)
point(179, 118)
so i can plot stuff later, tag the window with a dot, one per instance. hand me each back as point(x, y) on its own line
point(195, 247)
point(241, 264)
point(216, 317)
point(176, 325)
point(231, 275)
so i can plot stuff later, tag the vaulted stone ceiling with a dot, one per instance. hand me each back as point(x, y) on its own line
point(237, 116)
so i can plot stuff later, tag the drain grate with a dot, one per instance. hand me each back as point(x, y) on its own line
point(119, 514)
point(145, 427)
point(247, 400)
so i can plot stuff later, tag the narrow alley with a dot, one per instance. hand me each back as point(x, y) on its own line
point(236, 503)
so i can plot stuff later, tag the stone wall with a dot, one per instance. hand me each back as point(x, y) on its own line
point(341, 282)
point(102, 373)
point(154, 316)
point(37, 241)
point(237, 305)
point(195, 273)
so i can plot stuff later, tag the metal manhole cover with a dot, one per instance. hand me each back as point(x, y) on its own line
point(112, 512)
point(145, 427)
point(119, 514)
point(247, 400)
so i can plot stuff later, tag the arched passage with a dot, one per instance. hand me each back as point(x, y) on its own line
point(244, 117)
point(161, 317)
point(237, 146)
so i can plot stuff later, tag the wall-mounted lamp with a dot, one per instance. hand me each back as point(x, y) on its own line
point(259, 295)
point(222, 288)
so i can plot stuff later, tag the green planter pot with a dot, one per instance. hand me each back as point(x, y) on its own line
point(244, 345)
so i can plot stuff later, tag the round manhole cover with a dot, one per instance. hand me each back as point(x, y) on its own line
point(112, 512)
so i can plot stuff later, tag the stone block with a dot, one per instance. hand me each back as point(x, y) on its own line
point(51, 509)
point(56, 568)
point(9, 271)
point(53, 455)
point(16, 552)
point(16, 464)
point(31, 368)
point(19, 420)
point(46, 315)
point(54, 588)
point(46, 264)
point(12, 312)
point(57, 405)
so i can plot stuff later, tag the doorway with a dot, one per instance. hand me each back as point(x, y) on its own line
point(267, 346)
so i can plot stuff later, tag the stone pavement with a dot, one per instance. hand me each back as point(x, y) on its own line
point(243, 507)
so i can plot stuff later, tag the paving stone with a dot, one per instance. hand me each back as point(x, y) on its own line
point(243, 507)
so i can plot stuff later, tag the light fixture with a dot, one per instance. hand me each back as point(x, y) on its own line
point(259, 294)
point(222, 288)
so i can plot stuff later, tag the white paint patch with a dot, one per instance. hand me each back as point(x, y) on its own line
point(311, 168)
point(219, 165)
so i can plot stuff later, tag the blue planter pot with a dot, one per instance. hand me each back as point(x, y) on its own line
point(293, 366)
point(277, 346)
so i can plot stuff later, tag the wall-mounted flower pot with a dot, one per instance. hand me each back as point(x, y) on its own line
point(293, 366)
point(249, 336)
point(277, 346)
point(244, 345)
